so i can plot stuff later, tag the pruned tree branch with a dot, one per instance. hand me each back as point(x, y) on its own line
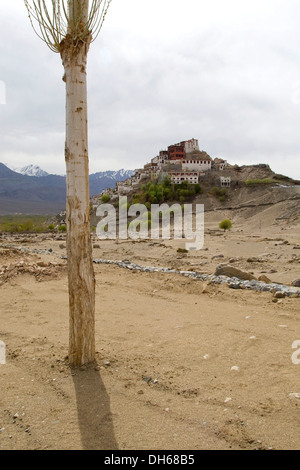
point(55, 21)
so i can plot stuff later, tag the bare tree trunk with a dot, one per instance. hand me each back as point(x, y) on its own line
point(79, 249)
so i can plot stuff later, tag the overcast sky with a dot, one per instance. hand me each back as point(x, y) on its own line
point(224, 72)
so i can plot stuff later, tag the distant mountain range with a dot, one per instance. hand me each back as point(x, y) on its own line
point(30, 170)
point(31, 190)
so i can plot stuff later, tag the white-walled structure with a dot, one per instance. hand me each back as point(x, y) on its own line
point(191, 145)
point(181, 162)
point(196, 164)
point(225, 182)
point(177, 177)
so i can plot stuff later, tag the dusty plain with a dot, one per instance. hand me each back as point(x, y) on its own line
point(181, 364)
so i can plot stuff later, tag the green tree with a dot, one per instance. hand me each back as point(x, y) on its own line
point(105, 198)
point(226, 224)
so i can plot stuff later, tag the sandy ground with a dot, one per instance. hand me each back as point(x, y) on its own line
point(180, 365)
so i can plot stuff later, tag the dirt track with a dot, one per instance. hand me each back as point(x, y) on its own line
point(178, 366)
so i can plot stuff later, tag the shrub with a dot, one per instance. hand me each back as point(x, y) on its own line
point(156, 193)
point(62, 228)
point(220, 193)
point(182, 250)
point(250, 182)
point(105, 198)
point(198, 189)
point(225, 224)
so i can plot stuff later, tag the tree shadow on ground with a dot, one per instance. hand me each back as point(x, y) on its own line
point(93, 408)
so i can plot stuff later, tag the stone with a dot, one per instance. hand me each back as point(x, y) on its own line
point(41, 264)
point(294, 395)
point(234, 285)
point(264, 279)
point(230, 271)
point(279, 295)
point(205, 288)
point(296, 283)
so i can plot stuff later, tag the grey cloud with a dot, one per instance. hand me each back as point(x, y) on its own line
point(229, 86)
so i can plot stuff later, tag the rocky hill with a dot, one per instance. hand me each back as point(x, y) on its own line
point(256, 197)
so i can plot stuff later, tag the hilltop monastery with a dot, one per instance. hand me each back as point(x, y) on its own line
point(180, 162)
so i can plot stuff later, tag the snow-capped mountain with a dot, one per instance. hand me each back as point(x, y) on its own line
point(107, 179)
point(114, 175)
point(33, 191)
point(31, 170)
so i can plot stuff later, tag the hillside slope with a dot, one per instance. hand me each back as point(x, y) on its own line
point(255, 206)
point(45, 193)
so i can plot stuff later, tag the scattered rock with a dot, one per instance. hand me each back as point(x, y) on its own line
point(296, 283)
point(41, 264)
point(206, 289)
point(230, 271)
point(294, 395)
point(285, 242)
point(279, 295)
point(264, 279)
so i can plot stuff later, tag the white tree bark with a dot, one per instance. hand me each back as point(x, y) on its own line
point(66, 26)
point(79, 250)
